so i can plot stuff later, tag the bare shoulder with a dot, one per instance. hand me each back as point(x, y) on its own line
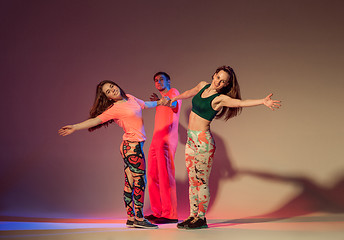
point(129, 95)
point(201, 84)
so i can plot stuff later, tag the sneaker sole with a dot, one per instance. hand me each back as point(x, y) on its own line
point(181, 227)
point(206, 226)
point(139, 226)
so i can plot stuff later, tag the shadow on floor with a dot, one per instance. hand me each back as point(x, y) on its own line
point(312, 198)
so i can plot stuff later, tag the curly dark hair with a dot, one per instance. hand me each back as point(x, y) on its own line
point(232, 90)
point(102, 103)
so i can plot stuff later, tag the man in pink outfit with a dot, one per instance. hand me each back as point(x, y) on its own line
point(161, 171)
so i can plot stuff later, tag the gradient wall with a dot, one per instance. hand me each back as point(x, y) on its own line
point(283, 163)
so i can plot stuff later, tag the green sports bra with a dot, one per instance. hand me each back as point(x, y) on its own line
point(202, 106)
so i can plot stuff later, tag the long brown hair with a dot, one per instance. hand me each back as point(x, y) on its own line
point(102, 103)
point(232, 90)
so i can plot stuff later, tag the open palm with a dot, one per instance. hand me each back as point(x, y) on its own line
point(272, 104)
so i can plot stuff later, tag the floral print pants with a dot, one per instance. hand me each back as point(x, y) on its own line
point(199, 154)
point(135, 177)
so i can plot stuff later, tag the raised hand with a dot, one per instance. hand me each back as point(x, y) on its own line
point(66, 130)
point(154, 97)
point(272, 104)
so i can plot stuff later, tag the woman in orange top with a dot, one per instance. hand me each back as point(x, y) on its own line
point(112, 104)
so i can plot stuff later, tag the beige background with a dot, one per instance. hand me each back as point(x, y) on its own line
point(283, 163)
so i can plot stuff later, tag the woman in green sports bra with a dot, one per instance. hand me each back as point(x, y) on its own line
point(220, 99)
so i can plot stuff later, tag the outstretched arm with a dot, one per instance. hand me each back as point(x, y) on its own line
point(152, 104)
point(189, 93)
point(267, 101)
point(69, 129)
point(173, 105)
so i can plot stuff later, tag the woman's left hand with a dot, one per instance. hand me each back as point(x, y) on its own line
point(165, 101)
point(272, 104)
point(66, 130)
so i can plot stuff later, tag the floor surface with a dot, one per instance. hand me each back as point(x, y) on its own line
point(313, 227)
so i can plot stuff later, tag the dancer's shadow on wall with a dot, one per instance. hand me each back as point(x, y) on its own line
point(311, 198)
point(221, 169)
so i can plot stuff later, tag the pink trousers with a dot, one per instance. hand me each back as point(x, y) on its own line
point(161, 179)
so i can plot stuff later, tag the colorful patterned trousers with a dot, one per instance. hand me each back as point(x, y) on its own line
point(135, 177)
point(199, 154)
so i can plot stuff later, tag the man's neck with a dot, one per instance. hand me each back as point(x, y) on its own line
point(163, 92)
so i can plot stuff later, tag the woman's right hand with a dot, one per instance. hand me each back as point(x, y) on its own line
point(66, 130)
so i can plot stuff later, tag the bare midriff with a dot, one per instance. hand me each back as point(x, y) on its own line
point(197, 123)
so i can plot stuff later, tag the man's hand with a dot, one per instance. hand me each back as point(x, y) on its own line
point(154, 97)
